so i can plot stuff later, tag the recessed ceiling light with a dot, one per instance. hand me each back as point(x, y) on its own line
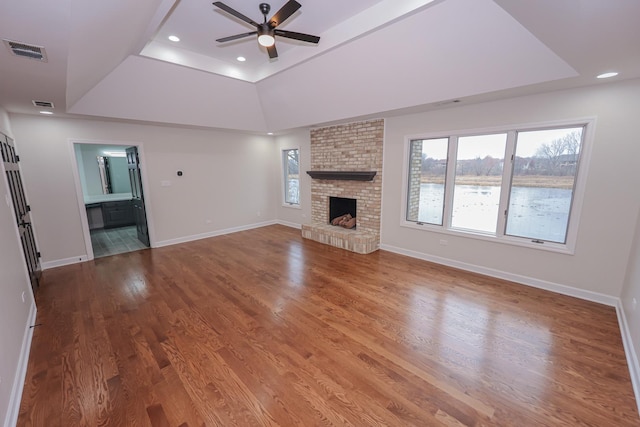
point(174, 38)
point(46, 112)
point(241, 58)
point(269, 133)
point(607, 75)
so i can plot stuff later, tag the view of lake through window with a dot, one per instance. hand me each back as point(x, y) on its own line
point(540, 189)
point(479, 166)
point(538, 212)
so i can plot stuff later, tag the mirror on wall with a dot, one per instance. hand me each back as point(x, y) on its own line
point(114, 173)
point(105, 174)
point(103, 170)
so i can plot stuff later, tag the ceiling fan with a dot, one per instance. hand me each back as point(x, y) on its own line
point(268, 29)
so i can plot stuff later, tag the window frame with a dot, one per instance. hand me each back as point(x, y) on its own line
point(588, 123)
point(283, 178)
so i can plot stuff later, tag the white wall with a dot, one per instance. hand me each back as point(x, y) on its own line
point(610, 206)
point(223, 181)
point(300, 139)
point(15, 316)
point(631, 290)
point(5, 124)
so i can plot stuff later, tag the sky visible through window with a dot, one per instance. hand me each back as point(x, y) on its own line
point(528, 143)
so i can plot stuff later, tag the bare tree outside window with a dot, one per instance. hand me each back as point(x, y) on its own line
point(291, 166)
point(544, 176)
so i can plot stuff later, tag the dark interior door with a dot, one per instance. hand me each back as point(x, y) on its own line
point(139, 211)
point(21, 209)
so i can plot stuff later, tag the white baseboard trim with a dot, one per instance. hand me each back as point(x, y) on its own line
point(629, 351)
point(211, 234)
point(289, 224)
point(82, 258)
point(21, 371)
point(60, 262)
point(524, 280)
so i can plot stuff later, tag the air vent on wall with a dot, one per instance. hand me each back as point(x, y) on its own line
point(26, 50)
point(42, 104)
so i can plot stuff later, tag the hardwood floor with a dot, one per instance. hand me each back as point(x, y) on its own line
point(264, 328)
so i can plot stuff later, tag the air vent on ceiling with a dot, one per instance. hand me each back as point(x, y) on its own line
point(26, 50)
point(42, 104)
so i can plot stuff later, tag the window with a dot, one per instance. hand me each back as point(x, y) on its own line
point(426, 181)
point(543, 180)
point(476, 193)
point(291, 168)
point(515, 185)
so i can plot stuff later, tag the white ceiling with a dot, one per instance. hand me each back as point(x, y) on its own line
point(375, 57)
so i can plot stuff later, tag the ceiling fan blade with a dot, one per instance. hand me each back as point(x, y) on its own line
point(273, 53)
point(297, 36)
point(237, 36)
point(235, 13)
point(284, 13)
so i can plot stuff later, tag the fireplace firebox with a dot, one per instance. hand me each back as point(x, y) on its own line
point(339, 206)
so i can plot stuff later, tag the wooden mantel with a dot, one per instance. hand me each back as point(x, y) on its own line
point(343, 175)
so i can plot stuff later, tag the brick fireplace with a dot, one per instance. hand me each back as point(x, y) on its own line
point(354, 147)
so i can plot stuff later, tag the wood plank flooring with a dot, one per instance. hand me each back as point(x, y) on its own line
point(264, 328)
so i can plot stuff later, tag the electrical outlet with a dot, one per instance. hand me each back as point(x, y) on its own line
point(634, 303)
point(208, 221)
point(258, 213)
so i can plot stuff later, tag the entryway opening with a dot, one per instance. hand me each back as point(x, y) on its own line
point(112, 197)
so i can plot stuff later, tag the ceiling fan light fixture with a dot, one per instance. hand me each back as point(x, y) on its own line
point(265, 36)
point(267, 30)
point(266, 40)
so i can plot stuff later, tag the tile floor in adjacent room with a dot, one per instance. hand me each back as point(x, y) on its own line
point(113, 241)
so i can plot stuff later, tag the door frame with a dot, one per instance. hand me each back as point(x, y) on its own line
point(80, 196)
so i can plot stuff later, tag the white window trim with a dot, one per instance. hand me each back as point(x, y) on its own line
point(282, 183)
point(578, 196)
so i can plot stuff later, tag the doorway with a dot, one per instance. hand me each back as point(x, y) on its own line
point(110, 194)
